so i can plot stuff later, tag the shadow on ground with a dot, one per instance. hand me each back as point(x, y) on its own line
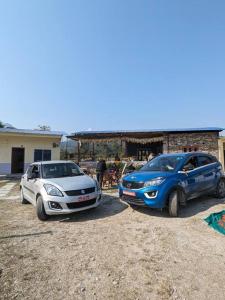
point(110, 206)
point(193, 207)
point(25, 235)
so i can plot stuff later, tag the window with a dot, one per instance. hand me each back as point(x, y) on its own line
point(189, 149)
point(191, 164)
point(42, 155)
point(33, 169)
point(204, 160)
point(60, 170)
point(29, 171)
point(162, 163)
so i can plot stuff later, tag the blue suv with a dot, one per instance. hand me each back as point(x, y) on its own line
point(170, 180)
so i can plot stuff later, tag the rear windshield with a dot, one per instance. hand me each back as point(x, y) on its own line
point(163, 163)
point(60, 170)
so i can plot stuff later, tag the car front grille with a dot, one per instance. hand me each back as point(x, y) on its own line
point(132, 184)
point(74, 205)
point(133, 200)
point(80, 192)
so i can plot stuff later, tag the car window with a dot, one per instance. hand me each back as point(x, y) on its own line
point(60, 170)
point(191, 164)
point(204, 160)
point(163, 163)
point(33, 169)
point(29, 170)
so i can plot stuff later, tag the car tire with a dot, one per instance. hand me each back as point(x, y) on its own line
point(22, 199)
point(173, 204)
point(220, 189)
point(41, 214)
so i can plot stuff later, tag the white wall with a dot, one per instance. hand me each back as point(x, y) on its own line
point(29, 143)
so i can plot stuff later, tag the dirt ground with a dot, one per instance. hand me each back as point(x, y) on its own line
point(112, 252)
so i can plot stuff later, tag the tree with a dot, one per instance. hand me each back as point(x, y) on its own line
point(1, 125)
point(44, 127)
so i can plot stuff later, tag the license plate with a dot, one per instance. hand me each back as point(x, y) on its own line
point(129, 193)
point(83, 198)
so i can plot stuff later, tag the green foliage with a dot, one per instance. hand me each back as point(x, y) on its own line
point(1, 124)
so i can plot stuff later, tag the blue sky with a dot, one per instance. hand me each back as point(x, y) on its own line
point(112, 64)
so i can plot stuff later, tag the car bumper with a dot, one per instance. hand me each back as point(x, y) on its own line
point(71, 204)
point(150, 196)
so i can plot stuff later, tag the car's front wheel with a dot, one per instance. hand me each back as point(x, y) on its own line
point(173, 204)
point(22, 199)
point(41, 214)
point(220, 189)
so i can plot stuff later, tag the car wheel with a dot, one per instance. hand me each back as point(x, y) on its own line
point(22, 199)
point(220, 189)
point(173, 204)
point(41, 214)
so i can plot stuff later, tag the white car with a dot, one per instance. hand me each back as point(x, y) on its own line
point(58, 187)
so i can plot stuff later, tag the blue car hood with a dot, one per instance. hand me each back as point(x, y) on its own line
point(146, 175)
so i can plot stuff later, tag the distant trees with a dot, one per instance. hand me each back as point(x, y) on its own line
point(44, 127)
point(1, 125)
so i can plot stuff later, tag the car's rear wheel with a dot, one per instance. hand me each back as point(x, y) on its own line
point(22, 199)
point(41, 214)
point(173, 204)
point(220, 189)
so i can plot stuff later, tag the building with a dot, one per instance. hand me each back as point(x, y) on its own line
point(19, 148)
point(139, 144)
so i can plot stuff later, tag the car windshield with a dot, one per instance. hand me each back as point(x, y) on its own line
point(163, 163)
point(60, 170)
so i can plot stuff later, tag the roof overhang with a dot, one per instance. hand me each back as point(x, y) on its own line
point(137, 134)
point(30, 133)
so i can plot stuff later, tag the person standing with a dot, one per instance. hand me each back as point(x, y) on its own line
point(100, 170)
point(151, 156)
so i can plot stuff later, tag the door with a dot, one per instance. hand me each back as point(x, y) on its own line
point(208, 171)
point(17, 161)
point(192, 180)
point(30, 184)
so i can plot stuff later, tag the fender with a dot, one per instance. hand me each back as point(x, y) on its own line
point(181, 194)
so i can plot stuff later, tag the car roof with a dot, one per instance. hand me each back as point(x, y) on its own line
point(51, 162)
point(185, 154)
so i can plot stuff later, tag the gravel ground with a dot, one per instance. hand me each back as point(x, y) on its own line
point(112, 252)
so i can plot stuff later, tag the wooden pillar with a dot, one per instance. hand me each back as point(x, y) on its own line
point(125, 148)
point(78, 152)
point(168, 144)
point(93, 150)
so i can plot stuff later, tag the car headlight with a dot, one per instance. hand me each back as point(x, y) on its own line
point(154, 182)
point(52, 190)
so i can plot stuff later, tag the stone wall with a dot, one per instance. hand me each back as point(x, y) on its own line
point(205, 142)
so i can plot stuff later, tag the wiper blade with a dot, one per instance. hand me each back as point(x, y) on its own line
point(81, 174)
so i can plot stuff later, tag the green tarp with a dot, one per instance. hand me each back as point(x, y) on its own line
point(217, 221)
